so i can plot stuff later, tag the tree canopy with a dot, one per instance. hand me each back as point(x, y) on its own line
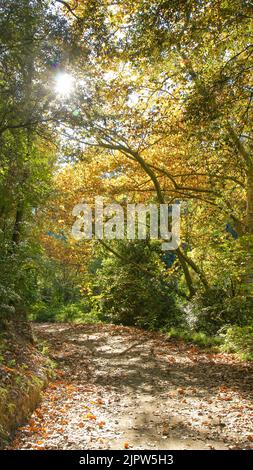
point(158, 110)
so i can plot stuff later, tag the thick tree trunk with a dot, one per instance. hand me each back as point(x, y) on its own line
point(187, 274)
point(16, 235)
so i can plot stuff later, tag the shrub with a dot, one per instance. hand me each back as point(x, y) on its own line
point(132, 288)
point(41, 312)
point(215, 309)
point(239, 340)
point(195, 337)
point(76, 313)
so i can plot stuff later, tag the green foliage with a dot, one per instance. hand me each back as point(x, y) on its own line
point(27, 157)
point(214, 309)
point(18, 283)
point(132, 288)
point(74, 313)
point(229, 300)
point(195, 337)
point(239, 340)
point(41, 312)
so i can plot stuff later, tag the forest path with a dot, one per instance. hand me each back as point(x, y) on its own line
point(120, 387)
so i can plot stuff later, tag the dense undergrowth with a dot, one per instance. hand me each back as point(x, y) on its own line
point(233, 339)
point(135, 288)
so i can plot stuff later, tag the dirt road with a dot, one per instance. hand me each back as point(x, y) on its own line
point(119, 387)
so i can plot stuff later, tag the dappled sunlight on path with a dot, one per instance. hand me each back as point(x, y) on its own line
point(120, 387)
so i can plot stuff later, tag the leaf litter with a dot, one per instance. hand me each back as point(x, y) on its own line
point(119, 387)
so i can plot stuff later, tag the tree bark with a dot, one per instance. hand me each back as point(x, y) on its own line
point(187, 274)
point(16, 234)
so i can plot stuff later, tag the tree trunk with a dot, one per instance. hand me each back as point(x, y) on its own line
point(187, 274)
point(16, 235)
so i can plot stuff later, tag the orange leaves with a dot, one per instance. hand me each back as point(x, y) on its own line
point(71, 388)
point(99, 401)
point(60, 431)
point(38, 414)
point(8, 369)
point(38, 447)
point(223, 388)
point(63, 422)
point(193, 350)
point(101, 424)
point(53, 386)
point(227, 398)
point(91, 416)
point(60, 373)
point(223, 394)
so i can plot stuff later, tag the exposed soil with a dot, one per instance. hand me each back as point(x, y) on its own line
point(121, 387)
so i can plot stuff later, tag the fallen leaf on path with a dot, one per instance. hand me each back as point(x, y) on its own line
point(90, 416)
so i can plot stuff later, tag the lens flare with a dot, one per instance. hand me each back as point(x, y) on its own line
point(64, 84)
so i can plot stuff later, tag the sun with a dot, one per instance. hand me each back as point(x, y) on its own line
point(64, 84)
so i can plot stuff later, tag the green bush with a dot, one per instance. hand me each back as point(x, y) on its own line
point(76, 313)
point(41, 312)
point(239, 340)
point(195, 337)
point(132, 288)
point(17, 278)
point(215, 309)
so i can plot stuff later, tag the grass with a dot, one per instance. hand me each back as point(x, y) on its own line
point(235, 340)
point(199, 338)
point(73, 313)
